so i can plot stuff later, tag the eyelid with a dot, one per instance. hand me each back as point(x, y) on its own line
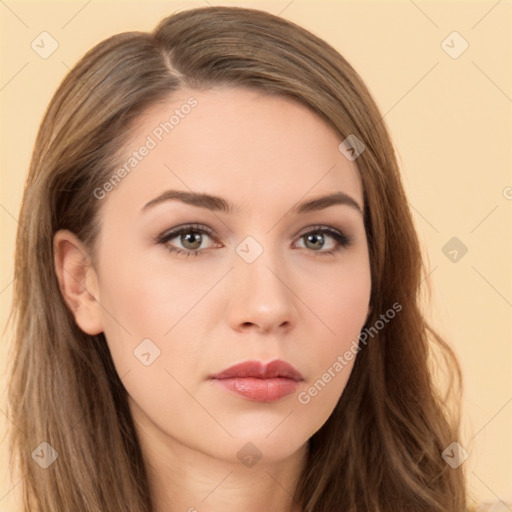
point(176, 230)
point(317, 227)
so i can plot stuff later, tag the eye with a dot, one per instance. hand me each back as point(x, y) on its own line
point(315, 239)
point(190, 237)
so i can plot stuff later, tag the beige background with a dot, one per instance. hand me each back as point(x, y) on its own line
point(449, 118)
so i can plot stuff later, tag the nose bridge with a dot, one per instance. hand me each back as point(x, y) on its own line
point(261, 293)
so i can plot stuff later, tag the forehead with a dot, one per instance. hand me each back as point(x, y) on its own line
point(237, 143)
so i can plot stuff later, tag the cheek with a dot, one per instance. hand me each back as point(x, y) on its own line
point(137, 305)
point(341, 308)
point(340, 298)
point(140, 287)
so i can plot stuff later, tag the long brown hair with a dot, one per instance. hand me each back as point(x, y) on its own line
point(380, 450)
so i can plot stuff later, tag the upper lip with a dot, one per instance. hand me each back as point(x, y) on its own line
point(259, 370)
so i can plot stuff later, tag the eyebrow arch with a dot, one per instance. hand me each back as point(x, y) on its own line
point(216, 203)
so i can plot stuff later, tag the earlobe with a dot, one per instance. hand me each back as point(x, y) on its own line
point(78, 281)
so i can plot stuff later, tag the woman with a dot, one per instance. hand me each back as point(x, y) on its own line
point(285, 365)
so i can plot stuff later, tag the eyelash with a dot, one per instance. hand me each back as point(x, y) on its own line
point(341, 239)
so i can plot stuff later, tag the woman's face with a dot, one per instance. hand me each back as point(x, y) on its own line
point(267, 283)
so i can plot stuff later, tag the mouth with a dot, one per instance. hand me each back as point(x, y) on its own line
point(258, 382)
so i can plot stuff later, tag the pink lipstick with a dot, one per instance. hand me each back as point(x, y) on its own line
point(259, 382)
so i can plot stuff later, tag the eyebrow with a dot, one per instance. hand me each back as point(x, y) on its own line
point(219, 204)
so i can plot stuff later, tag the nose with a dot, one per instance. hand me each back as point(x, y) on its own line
point(262, 297)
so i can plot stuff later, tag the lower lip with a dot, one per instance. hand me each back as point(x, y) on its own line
point(260, 390)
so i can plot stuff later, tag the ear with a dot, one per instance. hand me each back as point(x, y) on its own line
point(78, 281)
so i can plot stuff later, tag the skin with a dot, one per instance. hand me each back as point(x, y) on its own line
point(208, 312)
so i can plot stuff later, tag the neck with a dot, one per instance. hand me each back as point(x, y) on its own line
point(184, 479)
